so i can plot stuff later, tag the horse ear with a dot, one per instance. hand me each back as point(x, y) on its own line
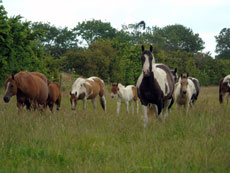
point(143, 48)
point(70, 93)
point(175, 70)
point(13, 76)
point(187, 74)
point(7, 77)
point(151, 48)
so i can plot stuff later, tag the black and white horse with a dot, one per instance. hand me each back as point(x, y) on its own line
point(155, 85)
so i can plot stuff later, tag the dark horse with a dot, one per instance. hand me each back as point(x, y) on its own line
point(29, 87)
point(224, 87)
point(155, 85)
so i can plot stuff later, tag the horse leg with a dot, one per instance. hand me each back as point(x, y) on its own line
point(228, 97)
point(165, 110)
point(19, 106)
point(145, 115)
point(118, 107)
point(137, 106)
point(103, 102)
point(132, 108)
point(84, 105)
point(127, 107)
point(94, 101)
point(58, 103)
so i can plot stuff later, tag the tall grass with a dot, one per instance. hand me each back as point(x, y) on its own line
point(75, 142)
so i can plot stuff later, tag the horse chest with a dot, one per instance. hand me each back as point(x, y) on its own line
point(150, 92)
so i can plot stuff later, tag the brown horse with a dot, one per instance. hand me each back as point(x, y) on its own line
point(29, 88)
point(224, 87)
point(54, 96)
point(84, 89)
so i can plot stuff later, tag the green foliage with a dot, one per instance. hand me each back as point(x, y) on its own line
point(91, 30)
point(223, 44)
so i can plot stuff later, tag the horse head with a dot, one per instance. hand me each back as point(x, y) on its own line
point(147, 59)
point(10, 88)
point(184, 83)
point(73, 100)
point(114, 90)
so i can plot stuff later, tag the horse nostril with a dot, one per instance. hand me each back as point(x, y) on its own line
point(6, 99)
point(184, 92)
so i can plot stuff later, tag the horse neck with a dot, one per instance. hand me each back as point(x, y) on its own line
point(121, 90)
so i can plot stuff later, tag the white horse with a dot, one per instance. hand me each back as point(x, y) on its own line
point(186, 91)
point(85, 89)
point(125, 95)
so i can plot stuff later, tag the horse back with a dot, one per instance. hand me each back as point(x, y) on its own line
point(98, 87)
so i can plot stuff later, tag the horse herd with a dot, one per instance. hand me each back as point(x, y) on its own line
point(157, 85)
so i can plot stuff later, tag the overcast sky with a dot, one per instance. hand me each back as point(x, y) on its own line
point(205, 17)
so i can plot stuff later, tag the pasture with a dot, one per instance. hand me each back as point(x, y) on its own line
point(104, 142)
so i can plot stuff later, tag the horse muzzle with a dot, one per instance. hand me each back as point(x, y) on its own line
point(6, 99)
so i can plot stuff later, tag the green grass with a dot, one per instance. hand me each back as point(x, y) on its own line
point(68, 142)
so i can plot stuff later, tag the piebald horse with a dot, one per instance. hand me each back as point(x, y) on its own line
point(90, 88)
point(29, 87)
point(186, 91)
point(155, 85)
point(224, 87)
point(125, 95)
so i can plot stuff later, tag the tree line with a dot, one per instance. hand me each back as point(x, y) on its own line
point(95, 48)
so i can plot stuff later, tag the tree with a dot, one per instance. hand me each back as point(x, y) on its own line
point(177, 37)
point(223, 44)
point(55, 40)
point(90, 31)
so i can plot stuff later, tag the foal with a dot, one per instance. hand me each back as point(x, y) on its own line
point(126, 95)
point(186, 91)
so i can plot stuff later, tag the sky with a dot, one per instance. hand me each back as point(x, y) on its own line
point(205, 17)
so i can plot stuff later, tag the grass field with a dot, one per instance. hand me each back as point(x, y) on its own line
point(68, 142)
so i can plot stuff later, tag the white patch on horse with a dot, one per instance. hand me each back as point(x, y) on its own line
point(161, 76)
point(7, 87)
point(226, 79)
point(146, 64)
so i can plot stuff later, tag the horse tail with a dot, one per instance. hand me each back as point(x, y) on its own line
point(220, 93)
point(103, 102)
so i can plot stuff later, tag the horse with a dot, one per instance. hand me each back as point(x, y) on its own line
point(175, 75)
point(155, 85)
point(186, 91)
point(224, 87)
point(28, 88)
point(90, 88)
point(54, 96)
point(126, 95)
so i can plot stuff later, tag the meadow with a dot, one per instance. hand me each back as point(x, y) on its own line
point(104, 142)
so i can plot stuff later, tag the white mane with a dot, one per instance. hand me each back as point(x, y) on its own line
point(77, 86)
point(226, 79)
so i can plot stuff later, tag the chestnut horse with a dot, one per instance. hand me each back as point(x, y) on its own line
point(224, 87)
point(155, 85)
point(29, 87)
point(90, 88)
point(54, 96)
point(126, 95)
